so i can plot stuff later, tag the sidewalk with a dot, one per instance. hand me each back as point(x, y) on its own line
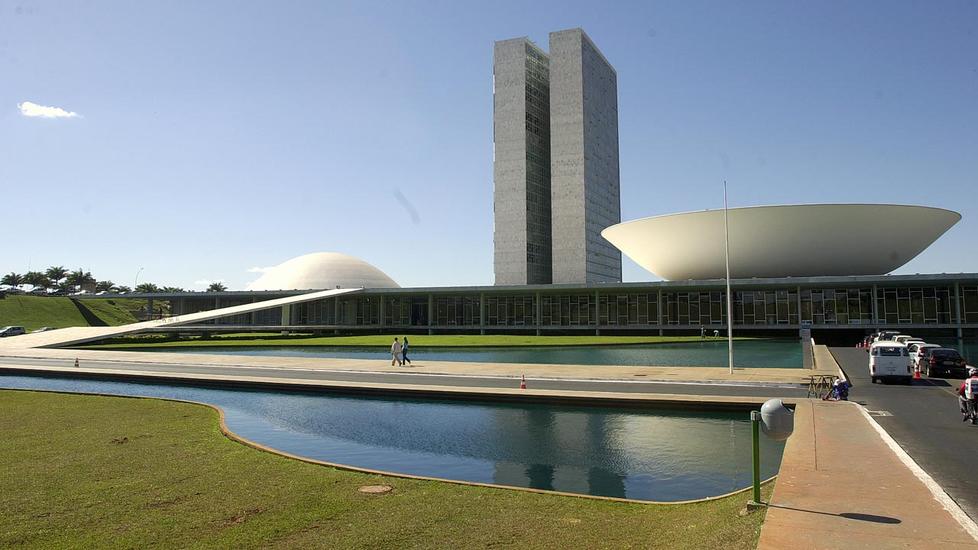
point(420, 366)
point(841, 486)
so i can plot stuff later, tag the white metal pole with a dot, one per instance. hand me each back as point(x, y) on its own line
point(726, 253)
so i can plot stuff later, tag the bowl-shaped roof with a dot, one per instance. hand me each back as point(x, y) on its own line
point(323, 270)
point(782, 241)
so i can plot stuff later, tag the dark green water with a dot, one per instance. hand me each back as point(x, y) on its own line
point(747, 353)
point(634, 453)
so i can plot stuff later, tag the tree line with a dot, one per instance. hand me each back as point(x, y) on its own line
point(61, 280)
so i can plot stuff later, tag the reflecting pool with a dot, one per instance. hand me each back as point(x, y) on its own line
point(747, 353)
point(635, 453)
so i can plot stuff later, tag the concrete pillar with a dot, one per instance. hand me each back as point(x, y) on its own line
point(482, 313)
point(797, 303)
point(876, 313)
point(957, 313)
point(658, 312)
point(431, 313)
point(286, 317)
point(382, 322)
point(336, 312)
point(537, 312)
point(254, 314)
point(149, 308)
point(597, 313)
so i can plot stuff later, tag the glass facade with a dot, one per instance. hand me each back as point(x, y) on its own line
point(538, 230)
point(628, 309)
point(456, 310)
point(969, 304)
point(510, 310)
point(660, 308)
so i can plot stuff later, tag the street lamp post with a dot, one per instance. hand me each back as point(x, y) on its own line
point(135, 282)
point(726, 254)
point(777, 422)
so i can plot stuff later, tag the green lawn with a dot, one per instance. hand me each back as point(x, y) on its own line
point(33, 312)
point(115, 311)
point(381, 340)
point(101, 472)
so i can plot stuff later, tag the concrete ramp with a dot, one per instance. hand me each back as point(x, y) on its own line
point(79, 335)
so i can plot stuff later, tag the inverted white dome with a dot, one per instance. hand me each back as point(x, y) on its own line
point(323, 270)
point(782, 241)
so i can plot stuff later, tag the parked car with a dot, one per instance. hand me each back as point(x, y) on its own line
point(39, 291)
point(43, 329)
point(912, 345)
point(902, 338)
point(12, 331)
point(946, 361)
point(885, 335)
point(889, 361)
point(922, 355)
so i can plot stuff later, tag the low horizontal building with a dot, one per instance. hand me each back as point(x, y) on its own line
point(945, 304)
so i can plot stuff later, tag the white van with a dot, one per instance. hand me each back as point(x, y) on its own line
point(889, 361)
point(902, 338)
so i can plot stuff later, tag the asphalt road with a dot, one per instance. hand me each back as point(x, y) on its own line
point(925, 421)
point(637, 386)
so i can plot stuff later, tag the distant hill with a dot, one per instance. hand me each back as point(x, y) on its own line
point(33, 312)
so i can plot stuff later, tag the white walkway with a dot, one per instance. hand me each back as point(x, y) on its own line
point(78, 335)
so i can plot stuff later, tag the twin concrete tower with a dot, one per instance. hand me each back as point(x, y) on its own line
point(555, 162)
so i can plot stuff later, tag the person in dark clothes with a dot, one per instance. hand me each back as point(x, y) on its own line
point(404, 351)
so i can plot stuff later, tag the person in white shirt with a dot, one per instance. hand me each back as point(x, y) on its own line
point(967, 396)
point(396, 353)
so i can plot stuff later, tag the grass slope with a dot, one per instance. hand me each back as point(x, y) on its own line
point(115, 311)
point(34, 312)
point(103, 472)
point(381, 340)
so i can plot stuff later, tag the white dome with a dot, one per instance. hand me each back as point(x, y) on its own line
point(323, 270)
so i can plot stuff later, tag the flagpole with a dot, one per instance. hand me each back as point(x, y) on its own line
point(726, 253)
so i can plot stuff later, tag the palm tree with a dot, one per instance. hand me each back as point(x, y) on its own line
point(147, 287)
point(80, 277)
point(172, 289)
point(104, 286)
point(122, 288)
point(217, 287)
point(12, 279)
point(36, 279)
point(56, 273)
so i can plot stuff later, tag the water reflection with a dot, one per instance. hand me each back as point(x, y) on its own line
point(748, 353)
point(651, 455)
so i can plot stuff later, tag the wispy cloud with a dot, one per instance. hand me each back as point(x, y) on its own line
point(31, 109)
point(260, 269)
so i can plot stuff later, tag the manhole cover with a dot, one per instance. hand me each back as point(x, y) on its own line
point(376, 489)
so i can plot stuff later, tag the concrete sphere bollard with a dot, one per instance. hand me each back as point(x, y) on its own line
point(777, 421)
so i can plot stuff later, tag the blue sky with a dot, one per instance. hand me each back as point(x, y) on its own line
point(218, 137)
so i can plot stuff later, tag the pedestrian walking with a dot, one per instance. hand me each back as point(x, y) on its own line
point(396, 351)
point(404, 350)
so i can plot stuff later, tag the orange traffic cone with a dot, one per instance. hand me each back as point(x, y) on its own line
point(916, 373)
point(522, 381)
